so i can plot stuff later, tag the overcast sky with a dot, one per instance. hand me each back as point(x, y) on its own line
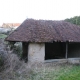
point(19, 10)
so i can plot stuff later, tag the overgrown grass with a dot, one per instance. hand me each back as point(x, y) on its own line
point(14, 69)
point(18, 70)
point(68, 72)
point(2, 36)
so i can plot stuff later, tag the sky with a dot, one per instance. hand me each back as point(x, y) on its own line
point(19, 10)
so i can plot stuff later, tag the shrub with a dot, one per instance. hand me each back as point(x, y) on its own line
point(17, 49)
point(1, 60)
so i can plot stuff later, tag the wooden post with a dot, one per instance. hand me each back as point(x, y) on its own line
point(66, 50)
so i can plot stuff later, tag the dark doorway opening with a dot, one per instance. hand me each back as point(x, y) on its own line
point(74, 50)
point(55, 50)
point(25, 51)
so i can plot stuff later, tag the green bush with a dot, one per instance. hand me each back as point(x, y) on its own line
point(17, 50)
point(16, 47)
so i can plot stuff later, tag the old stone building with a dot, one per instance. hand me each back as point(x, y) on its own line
point(47, 40)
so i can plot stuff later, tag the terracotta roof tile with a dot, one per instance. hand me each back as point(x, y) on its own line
point(45, 31)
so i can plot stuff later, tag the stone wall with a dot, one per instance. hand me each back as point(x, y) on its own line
point(36, 52)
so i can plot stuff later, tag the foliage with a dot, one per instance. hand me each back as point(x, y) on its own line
point(1, 60)
point(14, 69)
point(18, 70)
point(74, 20)
point(17, 49)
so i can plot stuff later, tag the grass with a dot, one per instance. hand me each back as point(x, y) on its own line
point(46, 73)
point(2, 36)
point(67, 72)
point(72, 74)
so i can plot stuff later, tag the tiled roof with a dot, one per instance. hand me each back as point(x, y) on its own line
point(45, 31)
